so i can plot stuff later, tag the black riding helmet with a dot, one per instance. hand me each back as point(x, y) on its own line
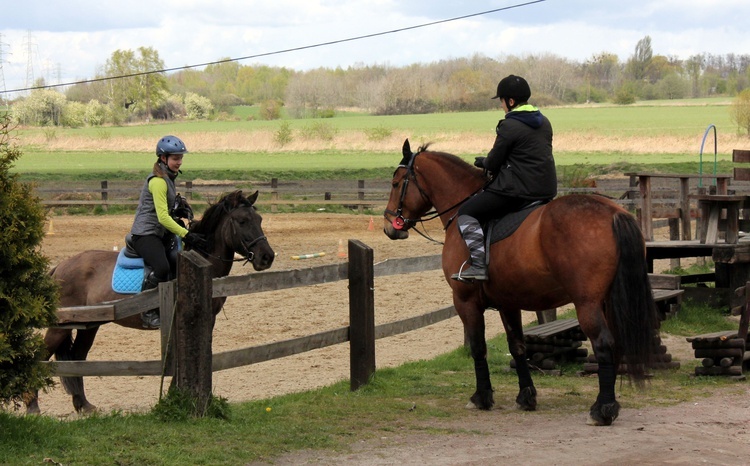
point(170, 145)
point(513, 87)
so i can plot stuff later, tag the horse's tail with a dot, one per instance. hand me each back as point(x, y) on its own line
point(65, 352)
point(632, 311)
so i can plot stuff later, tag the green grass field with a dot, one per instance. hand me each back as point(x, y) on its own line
point(108, 156)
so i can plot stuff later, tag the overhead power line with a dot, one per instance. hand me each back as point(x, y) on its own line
point(278, 52)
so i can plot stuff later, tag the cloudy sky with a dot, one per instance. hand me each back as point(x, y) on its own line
point(71, 40)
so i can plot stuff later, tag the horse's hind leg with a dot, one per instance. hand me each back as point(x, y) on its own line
point(526, 399)
point(53, 338)
point(605, 409)
point(78, 352)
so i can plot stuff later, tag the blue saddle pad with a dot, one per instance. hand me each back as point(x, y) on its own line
point(127, 277)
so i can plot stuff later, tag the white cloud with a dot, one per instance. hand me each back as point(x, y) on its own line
point(78, 36)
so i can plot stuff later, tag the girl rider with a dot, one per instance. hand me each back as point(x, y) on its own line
point(153, 227)
point(522, 169)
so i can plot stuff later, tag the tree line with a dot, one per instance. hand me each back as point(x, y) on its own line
point(457, 84)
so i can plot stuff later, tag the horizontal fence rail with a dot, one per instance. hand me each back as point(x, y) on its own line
point(239, 285)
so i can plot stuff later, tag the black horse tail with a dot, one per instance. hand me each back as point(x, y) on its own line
point(632, 310)
point(65, 352)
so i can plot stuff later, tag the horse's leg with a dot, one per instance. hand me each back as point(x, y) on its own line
point(526, 399)
point(77, 352)
point(53, 338)
point(473, 319)
point(605, 409)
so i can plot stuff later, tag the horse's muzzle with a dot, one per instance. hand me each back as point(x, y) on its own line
point(393, 233)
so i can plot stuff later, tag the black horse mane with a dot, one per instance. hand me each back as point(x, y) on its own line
point(208, 224)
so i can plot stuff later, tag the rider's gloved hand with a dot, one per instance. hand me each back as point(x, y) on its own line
point(196, 241)
point(479, 162)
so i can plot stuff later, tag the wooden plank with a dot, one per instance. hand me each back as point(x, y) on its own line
point(741, 156)
point(664, 281)
point(104, 368)
point(278, 280)
point(136, 304)
point(551, 328)
point(97, 313)
point(253, 355)
point(408, 265)
point(664, 295)
point(413, 323)
point(741, 174)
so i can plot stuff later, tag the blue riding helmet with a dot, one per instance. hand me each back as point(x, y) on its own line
point(170, 145)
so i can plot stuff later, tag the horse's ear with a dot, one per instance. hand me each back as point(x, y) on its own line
point(406, 150)
point(253, 197)
point(407, 155)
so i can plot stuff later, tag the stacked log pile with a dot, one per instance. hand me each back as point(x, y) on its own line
point(660, 359)
point(726, 353)
point(550, 344)
point(721, 353)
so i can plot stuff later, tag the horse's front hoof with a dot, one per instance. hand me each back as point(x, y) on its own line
point(482, 400)
point(603, 414)
point(526, 399)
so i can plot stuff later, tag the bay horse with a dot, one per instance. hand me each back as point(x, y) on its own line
point(231, 225)
point(583, 249)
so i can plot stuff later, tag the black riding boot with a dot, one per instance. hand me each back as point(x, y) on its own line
point(471, 232)
point(150, 319)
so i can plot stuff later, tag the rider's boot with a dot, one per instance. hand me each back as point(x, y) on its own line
point(150, 319)
point(471, 232)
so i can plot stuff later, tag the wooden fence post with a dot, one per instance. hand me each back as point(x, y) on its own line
point(361, 196)
point(193, 328)
point(167, 304)
point(105, 195)
point(189, 190)
point(361, 314)
point(274, 194)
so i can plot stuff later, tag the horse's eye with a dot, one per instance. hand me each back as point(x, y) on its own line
point(395, 184)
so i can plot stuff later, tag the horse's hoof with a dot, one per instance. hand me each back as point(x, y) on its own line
point(87, 408)
point(471, 405)
point(33, 411)
point(526, 399)
point(603, 414)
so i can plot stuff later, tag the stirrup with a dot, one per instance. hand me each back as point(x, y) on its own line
point(470, 275)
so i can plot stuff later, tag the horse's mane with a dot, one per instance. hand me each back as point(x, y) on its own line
point(454, 161)
point(208, 224)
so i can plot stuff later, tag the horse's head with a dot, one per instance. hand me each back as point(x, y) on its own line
point(243, 232)
point(407, 202)
point(233, 225)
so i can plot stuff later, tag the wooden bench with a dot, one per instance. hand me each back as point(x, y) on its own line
point(667, 293)
point(551, 343)
point(727, 352)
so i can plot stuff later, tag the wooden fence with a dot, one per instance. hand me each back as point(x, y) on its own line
point(274, 193)
point(361, 332)
point(358, 195)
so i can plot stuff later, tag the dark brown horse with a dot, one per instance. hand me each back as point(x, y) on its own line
point(583, 249)
point(232, 225)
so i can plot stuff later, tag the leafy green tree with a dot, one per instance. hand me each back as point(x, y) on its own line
point(639, 63)
point(43, 107)
point(739, 111)
point(28, 295)
point(139, 86)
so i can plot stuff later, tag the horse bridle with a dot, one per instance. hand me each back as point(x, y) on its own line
point(248, 255)
point(400, 222)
